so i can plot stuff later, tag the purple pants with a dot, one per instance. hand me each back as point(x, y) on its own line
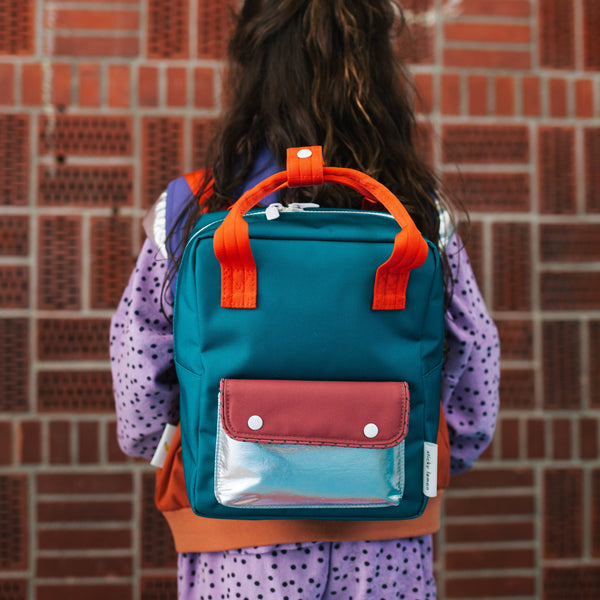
point(383, 570)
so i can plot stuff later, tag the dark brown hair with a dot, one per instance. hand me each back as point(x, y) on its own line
point(319, 72)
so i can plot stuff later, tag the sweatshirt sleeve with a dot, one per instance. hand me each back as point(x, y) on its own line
point(141, 352)
point(471, 374)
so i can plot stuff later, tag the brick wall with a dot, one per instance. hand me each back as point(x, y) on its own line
point(103, 101)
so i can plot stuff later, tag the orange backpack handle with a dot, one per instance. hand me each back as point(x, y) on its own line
point(305, 167)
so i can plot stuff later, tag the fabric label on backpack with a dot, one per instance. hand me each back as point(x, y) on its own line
point(430, 466)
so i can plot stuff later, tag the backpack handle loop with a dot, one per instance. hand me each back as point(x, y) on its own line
point(305, 167)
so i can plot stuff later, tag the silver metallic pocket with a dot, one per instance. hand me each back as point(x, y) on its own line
point(324, 467)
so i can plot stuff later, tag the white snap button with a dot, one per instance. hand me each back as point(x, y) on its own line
point(304, 153)
point(371, 430)
point(255, 422)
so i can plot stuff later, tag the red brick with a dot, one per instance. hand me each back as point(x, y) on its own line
point(494, 478)
point(177, 86)
point(85, 186)
point(595, 514)
point(589, 446)
point(584, 98)
point(15, 523)
point(204, 88)
point(557, 34)
point(505, 96)
point(556, 170)
point(31, 84)
point(84, 483)
point(75, 391)
point(578, 582)
point(119, 86)
point(117, 20)
point(62, 84)
point(487, 59)
point(490, 587)
point(570, 291)
point(510, 558)
point(512, 266)
point(72, 339)
point(536, 438)
point(75, 512)
point(111, 259)
point(72, 591)
point(14, 356)
point(159, 587)
point(483, 506)
point(562, 438)
point(162, 154)
point(14, 286)
point(17, 24)
point(30, 442)
point(492, 8)
point(424, 89)
point(424, 142)
point(451, 94)
point(487, 144)
point(563, 513)
point(91, 46)
point(516, 339)
point(532, 98)
point(594, 359)
point(60, 442)
point(492, 192)
point(570, 243)
point(490, 532)
point(72, 567)
point(213, 29)
point(84, 539)
point(14, 236)
point(510, 439)
point(88, 450)
point(59, 263)
point(13, 588)
point(591, 44)
point(487, 33)
point(114, 453)
point(90, 81)
point(6, 443)
point(478, 94)
point(592, 173)
point(148, 86)
point(167, 35)
point(517, 389)
point(557, 95)
point(89, 135)
point(7, 84)
point(561, 365)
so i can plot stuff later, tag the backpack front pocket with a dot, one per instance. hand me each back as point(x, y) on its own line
point(310, 444)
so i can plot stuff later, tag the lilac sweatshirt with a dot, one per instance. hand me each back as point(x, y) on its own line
point(146, 396)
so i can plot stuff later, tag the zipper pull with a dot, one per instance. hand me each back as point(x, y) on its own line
point(273, 211)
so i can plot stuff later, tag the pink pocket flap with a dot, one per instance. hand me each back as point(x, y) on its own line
point(334, 413)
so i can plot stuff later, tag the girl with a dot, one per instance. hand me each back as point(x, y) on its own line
point(301, 73)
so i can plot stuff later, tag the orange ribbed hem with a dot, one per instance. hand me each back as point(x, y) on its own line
point(199, 534)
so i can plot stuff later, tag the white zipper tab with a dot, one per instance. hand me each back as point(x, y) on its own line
point(273, 211)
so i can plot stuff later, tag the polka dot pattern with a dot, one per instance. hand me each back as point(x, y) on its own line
point(384, 570)
point(141, 353)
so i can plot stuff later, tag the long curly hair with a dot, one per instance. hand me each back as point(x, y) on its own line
point(318, 72)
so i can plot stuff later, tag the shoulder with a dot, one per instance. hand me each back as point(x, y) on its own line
point(161, 218)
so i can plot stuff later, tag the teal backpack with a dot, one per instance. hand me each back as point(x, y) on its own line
point(309, 347)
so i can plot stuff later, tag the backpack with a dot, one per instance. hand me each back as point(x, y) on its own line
point(308, 346)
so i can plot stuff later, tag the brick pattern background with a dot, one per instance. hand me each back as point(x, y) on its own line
point(103, 101)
